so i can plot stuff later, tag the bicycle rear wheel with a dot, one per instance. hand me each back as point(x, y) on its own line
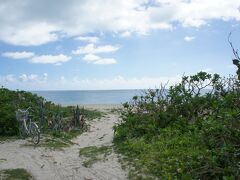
point(35, 133)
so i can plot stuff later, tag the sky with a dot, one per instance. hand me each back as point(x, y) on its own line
point(112, 44)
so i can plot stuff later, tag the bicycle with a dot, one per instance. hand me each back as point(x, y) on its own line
point(27, 127)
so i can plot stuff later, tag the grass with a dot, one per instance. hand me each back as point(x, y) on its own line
point(51, 143)
point(57, 140)
point(94, 154)
point(115, 110)
point(181, 153)
point(56, 143)
point(8, 138)
point(161, 158)
point(93, 114)
point(15, 174)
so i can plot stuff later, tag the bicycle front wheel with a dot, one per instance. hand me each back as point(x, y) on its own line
point(35, 133)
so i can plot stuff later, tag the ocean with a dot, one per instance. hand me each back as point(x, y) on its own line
point(88, 97)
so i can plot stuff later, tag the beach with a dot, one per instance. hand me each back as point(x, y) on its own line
point(46, 164)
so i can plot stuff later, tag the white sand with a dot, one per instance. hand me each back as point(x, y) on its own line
point(48, 164)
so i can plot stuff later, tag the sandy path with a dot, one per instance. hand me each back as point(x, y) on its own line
point(48, 164)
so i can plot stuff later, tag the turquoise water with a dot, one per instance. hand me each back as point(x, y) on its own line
point(89, 97)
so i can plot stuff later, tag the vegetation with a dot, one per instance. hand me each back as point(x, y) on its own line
point(10, 101)
point(94, 154)
point(15, 174)
point(115, 110)
point(8, 138)
point(93, 114)
point(190, 131)
point(58, 140)
point(56, 122)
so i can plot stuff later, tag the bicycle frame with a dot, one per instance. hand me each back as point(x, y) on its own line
point(27, 126)
point(25, 119)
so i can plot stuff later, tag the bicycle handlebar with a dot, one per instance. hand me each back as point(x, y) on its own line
point(26, 110)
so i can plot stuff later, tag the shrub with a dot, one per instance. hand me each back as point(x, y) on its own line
point(10, 101)
point(190, 130)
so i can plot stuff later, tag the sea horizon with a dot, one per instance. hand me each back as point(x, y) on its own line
point(88, 97)
point(92, 97)
point(87, 90)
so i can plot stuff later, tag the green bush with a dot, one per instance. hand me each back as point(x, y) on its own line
point(191, 130)
point(10, 101)
point(50, 117)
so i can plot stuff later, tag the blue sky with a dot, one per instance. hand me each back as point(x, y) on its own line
point(71, 45)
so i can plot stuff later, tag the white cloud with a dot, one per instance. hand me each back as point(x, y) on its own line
point(103, 61)
point(125, 34)
point(90, 39)
point(18, 55)
point(23, 77)
point(29, 35)
point(90, 58)
point(9, 78)
point(93, 49)
point(189, 38)
point(50, 59)
point(94, 59)
point(28, 78)
point(24, 81)
point(38, 59)
point(36, 23)
point(118, 82)
point(193, 22)
point(45, 76)
point(37, 82)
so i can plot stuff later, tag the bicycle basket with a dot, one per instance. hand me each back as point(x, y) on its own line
point(20, 116)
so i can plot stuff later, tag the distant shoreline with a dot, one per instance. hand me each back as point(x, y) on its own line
point(34, 91)
point(95, 106)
